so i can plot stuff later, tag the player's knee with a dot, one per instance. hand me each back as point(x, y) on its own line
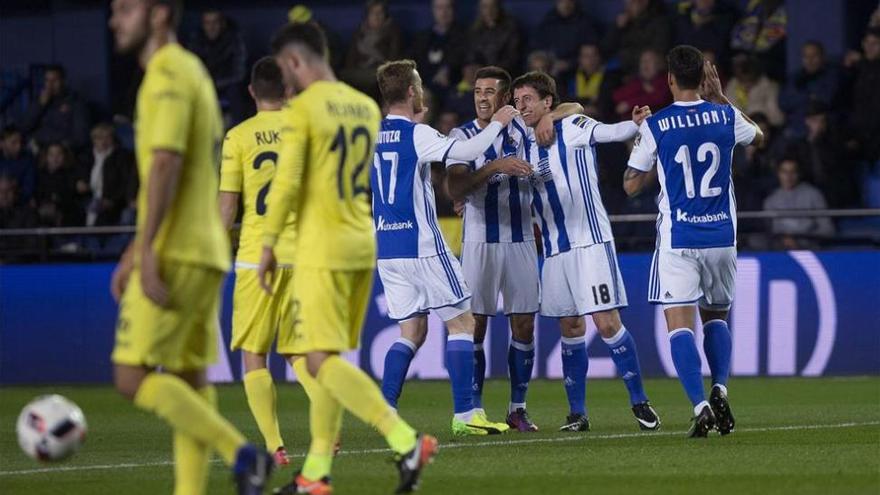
point(253, 361)
point(573, 327)
point(480, 324)
point(522, 327)
point(314, 361)
point(126, 387)
point(463, 323)
point(607, 323)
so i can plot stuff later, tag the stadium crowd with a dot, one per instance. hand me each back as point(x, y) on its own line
point(61, 167)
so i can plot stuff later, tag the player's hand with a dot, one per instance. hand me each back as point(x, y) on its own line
point(119, 280)
point(505, 115)
point(710, 88)
point(513, 166)
point(545, 132)
point(151, 282)
point(639, 114)
point(266, 270)
point(458, 208)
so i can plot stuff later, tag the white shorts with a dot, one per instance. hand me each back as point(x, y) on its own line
point(687, 276)
point(508, 268)
point(415, 286)
point(582, 281)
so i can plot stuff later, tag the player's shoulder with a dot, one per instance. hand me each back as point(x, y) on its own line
point(579, 120)
point(176, 64)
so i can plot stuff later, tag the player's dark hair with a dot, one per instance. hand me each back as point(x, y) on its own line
point(267, 82)
point(541, 82)
point(816, 44)
point(56, 68)
point(176, 7)
point(395, 78)
point(10, 130)
point(307, 35)
point(686, 65)
point(494, 72)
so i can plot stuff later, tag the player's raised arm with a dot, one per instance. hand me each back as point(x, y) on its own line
point(545, 131)
point(640, 167)
point(621, 131)
point(710, 89)
point(470, 149)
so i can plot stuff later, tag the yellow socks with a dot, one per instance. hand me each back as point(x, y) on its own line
point(325, 422)
point(260, 391)
point(361, 396)
point(171, 399)
point(191, 456)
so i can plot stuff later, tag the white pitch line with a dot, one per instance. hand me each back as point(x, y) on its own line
point(467, 445)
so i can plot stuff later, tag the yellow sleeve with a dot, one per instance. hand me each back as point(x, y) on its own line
point(170, 98)
point(286, 185)
point(231, 171)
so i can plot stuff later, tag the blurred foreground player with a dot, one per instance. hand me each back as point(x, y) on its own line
point(250, 153)
point(692, 142)
point(170, 276)
point(327, 143)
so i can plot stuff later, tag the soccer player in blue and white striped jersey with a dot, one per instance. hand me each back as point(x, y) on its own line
point(580, 275)
point(499, 255)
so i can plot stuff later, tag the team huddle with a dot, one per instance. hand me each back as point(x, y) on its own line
point(332, 192)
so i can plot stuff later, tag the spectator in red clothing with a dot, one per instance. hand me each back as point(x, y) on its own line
point(649, 88)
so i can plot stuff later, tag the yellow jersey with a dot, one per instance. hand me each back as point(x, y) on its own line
point(177, 110)
point(250, 153)
point(327, 143)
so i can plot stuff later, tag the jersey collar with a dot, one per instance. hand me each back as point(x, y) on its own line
point(688, 103)
point(392, 116)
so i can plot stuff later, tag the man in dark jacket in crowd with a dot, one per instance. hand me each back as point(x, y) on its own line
point(816, 81)
point(59, 115)
point(17, 163)
point(222, 50)
point(564, 29)
point(108, 179)
point(641, 26)
point(441, 50)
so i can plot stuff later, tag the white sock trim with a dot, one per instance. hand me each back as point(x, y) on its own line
point(465, 416)
point(460, 336)
point(574, 340)
point(713, 321)
point(513, 406)
point(478, 346)
point(680, 330)
point(699, 407)
point(409, 343)
point(617, 337)
point(722, 387)
point(521, 346)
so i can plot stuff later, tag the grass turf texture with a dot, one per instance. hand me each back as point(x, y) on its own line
point(805, 436)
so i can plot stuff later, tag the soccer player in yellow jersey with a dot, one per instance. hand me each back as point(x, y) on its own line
point(323, 172)
point(168, 281)
point(250, 152)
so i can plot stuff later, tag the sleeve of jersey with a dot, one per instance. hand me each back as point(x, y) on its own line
point(471, 148)
point(457, 135)
point(615, 133)
point(644, 152)
point(577, 130)
point(231, 172)
point(169, 99)
point(743, 131)
point(287, 182)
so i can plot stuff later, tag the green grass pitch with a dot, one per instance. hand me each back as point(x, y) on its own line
point(803, 436)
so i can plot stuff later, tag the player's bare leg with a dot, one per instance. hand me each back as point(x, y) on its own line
point(623, 351)
point(717, 347)
point(520, 361)
point(574, 370)
point(688, 365)
point(261, 396)
point(481, 324)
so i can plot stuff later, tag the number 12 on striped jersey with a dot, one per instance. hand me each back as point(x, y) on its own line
point(378, 161)
point(683, 157)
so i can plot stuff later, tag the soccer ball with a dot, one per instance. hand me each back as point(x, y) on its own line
point(51, 428)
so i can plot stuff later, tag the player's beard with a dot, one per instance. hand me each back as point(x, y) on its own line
point(137, 40)
point(418, 103)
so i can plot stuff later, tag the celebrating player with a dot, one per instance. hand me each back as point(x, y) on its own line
point(580, 275)
point(170, 276)
point(499, 253)
point(415, 265)
point(692, 142)
point(250, 152)
point(322, 178)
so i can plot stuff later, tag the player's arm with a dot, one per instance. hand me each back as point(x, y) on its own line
point(711, 90)
point(231, 181)
point(640, 167)
point(545, 132)
point(121, 273)
point(621, 131)
point(286, 186)
point(461, 180)
point(469, 149)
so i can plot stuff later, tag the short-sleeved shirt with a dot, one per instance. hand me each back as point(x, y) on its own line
point(692, 143)
point(250, 154)
point(323, 174)
point(500, 210)
point(569, 205)
point(177, 111)
point(403, 195)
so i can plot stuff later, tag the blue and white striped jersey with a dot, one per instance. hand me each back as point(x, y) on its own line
point(569, 205)
point(403, 196)
point(692, 143)
point(500, 210)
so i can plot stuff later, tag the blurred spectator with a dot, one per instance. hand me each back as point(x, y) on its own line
point(56, 193)
point(704, 24)
point(17, 164)
point(460, 98)
point(540, 61)
point(59, 115)
point(816, 81)
point(562, 31)
point(865, 114)
point(300, 14)
point(221, 48)
point(14, 214)
point(447, 121)
point(440, 51)
point(649, 88)
point(792, 194)
point(375, 41)
point(754, 167)
point(761, 32)
point(751, 91)
point(593, 84)
point(641, 26)
point(495, 37)
point(823, 159)
point(108, 179)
